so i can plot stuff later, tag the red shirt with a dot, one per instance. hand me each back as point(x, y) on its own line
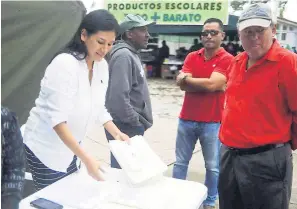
point(204, 106)
point(261, 103)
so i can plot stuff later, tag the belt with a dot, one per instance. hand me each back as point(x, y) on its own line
point(255, 150)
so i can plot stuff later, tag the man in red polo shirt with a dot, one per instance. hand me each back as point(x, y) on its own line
point(203, 78)
point(259, 123)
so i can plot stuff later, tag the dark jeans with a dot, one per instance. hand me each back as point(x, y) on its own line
point(256, 181)
point(127, 129)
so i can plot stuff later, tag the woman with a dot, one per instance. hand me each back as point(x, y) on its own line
point(71, 97)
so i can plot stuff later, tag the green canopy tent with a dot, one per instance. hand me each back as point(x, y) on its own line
point(32, 32)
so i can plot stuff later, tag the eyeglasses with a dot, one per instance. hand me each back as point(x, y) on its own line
point(252, 32)
point(211, 32)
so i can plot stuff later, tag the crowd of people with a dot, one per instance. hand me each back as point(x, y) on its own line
point(242, 110)
point(230, 47)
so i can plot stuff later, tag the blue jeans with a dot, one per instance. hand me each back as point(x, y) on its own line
point(127, 129)
point(187, 136)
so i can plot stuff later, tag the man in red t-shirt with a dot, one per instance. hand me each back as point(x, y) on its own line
point(259, 122)
point(203, 79)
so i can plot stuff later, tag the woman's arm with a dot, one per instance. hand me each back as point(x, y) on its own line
point(115, 132)
point(68, 139)
point(66, 136)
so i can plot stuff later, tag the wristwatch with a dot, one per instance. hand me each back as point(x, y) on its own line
point(184, 78)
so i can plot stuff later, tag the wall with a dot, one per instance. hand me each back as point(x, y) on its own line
point(287, 34)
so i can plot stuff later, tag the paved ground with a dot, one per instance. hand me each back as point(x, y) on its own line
point(166, 101)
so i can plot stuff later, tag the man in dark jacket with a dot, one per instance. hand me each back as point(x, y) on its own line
point(127, 97)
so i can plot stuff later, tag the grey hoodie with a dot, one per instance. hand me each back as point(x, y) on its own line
point(127, 96)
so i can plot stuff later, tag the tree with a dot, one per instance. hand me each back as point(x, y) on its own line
point(238, 5)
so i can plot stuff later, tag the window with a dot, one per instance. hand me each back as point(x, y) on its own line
point(284, 36)
point(291, 28)
point(284, 27)
point(277, 27)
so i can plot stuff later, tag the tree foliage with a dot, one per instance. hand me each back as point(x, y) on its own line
point(239, 4)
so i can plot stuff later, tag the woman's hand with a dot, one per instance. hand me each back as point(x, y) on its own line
point(115, 132)
point(122, 137)
point(93, 169)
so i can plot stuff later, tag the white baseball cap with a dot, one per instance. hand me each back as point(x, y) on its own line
point(255, 15)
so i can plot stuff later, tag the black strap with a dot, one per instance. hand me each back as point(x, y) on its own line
point(255, 150)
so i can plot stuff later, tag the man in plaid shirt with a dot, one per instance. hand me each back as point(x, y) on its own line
point(12, 161)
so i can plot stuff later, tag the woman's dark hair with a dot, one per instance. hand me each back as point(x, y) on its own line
point(97, 20)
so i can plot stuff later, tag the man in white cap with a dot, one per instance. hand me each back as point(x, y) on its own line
point(127, 96)
point(259, 123)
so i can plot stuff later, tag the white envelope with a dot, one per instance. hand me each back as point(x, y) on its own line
point(138, 161)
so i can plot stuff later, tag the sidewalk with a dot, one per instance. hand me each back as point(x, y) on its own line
point(166, 102)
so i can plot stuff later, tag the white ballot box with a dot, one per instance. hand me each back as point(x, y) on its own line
point(138, 161)
point(80, 191)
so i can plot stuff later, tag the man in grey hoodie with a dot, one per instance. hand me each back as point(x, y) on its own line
point(127, 97)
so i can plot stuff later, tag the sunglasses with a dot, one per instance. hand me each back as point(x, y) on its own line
point(211, 32)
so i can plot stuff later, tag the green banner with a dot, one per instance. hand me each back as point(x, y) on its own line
point(169, 12)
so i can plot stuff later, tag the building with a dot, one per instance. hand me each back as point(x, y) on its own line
point(286, 33)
